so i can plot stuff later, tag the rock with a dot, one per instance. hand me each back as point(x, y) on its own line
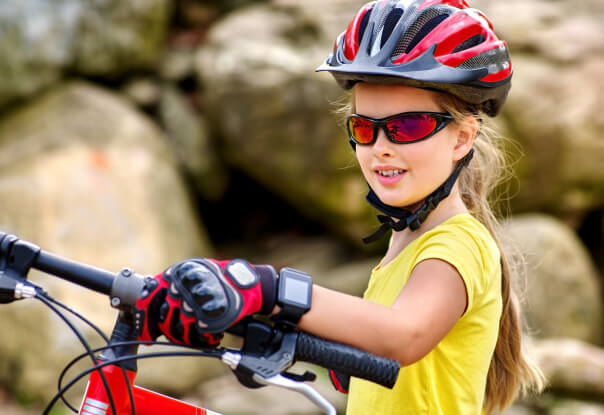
point(11, 407)
point(85, 176)
point(144, 92)
point(226, 5)
point(560, 273)
point(573, 407)
point(178, 64)
point(275, 115)
point(562, 169)
point(116, 36)
point(189, 138)
point(517, 409)
point(36, 42)
point(195, 13)
point(39, 40)
point(571, 367)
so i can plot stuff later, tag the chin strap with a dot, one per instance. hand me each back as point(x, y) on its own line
point(406, 218)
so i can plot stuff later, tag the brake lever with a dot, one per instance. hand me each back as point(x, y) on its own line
point(302, 388)
point(262, 373)
point(261, 358)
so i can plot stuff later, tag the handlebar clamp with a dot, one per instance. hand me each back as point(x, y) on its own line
point(126, 288)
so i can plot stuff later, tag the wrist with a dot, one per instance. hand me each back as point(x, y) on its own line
point(294, 294)
point(268, 287)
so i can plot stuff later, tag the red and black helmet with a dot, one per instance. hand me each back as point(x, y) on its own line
point(435, 44)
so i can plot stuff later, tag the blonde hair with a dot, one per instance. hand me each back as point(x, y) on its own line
point(511, 370)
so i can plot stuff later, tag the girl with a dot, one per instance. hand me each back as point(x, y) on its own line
point(422, 73)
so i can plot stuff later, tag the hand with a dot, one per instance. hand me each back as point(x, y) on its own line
point(194, 301)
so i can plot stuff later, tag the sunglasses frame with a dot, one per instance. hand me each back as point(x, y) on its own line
point(442, 119)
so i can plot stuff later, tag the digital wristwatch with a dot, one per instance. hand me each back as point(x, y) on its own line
point(293, 295)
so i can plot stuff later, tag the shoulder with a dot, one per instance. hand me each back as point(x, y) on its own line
point(465, 243)
point(463, 232)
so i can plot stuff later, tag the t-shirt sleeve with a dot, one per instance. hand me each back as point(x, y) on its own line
point(461, 250)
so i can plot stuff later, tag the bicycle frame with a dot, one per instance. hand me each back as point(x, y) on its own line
point(147, 402)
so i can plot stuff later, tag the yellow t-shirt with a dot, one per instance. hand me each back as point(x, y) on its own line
point(451, 378)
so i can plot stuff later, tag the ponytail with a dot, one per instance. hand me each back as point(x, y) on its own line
point(511, 371)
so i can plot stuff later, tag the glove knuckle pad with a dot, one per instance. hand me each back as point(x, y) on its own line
point(201, 285)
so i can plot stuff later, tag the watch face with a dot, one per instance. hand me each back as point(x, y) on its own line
point(294, 288)
point(296, 291)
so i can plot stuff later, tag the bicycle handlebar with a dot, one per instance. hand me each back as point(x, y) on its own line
point(347, 359)
point(87, 276)
point(124, 287)
point(23, 255)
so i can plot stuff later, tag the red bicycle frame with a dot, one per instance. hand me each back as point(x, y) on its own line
point(146, 402)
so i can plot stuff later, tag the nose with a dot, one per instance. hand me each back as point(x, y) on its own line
point(382, 146)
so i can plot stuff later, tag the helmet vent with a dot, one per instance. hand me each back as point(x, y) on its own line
point(380, 19)
point(422, 25)
point(363, 25)
point(470, 42)
point(492, 57)
point(390, 23)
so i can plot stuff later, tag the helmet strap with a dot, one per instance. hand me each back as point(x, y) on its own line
point(406, 218)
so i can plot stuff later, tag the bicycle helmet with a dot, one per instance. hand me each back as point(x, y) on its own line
point(435, 44)
point(441, 45)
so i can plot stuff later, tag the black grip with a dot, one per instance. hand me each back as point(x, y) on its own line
point(346, 359)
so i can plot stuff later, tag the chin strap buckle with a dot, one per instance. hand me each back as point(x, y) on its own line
point(412, 220)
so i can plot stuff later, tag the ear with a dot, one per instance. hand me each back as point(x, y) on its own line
point(466, 133)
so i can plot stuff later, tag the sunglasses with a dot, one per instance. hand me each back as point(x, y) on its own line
point(403, 128)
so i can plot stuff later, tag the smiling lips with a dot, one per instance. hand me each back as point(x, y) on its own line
point(388, 177)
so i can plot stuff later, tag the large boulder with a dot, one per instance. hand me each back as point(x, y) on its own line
point(116, 36)
point(84, 175)
point(39, 40)
point(575, 407)
point(571, 366)
point(562, 291)
point(35, 44)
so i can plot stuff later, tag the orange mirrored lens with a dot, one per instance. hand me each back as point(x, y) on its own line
point(361, 129)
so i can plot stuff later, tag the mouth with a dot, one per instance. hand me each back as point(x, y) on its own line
point(390, 173)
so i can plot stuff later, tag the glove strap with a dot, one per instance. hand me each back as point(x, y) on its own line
point(268, 285)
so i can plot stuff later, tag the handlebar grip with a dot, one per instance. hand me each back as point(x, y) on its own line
point(347, 359)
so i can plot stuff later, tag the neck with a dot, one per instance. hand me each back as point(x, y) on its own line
point(447, 208)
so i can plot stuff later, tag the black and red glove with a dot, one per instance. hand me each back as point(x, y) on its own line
point(195, 301)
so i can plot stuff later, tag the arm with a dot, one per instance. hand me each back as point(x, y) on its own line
point(426, 309)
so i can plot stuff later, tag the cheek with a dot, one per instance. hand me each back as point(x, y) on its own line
point(429, 160)
point(363, 157)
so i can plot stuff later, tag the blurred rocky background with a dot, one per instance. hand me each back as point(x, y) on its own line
point(137, 133)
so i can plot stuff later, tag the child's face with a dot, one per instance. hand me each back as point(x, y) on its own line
point(421, 166)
